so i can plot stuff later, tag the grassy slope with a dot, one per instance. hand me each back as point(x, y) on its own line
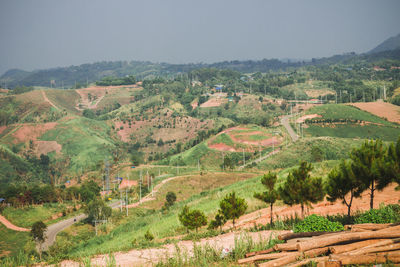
point(332, 148)
point(132, 229)
point(385, 130)
point(12, 241)
point(85, 141)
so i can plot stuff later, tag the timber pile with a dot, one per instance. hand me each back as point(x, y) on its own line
point(360, 244)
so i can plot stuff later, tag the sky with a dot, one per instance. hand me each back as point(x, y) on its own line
point(39, 34)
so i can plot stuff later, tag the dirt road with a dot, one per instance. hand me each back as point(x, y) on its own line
point(150, 256)
point(11, 226)
point(285, 122)
point(48, 101)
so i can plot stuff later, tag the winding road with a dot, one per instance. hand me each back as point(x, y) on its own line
point(54, 229)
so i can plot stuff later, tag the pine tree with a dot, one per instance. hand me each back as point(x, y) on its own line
point(300, 188)
point(232, 207)
point(271, 195)
point(341, 182)
point(368, 163)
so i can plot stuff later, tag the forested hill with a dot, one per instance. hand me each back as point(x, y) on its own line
point(77, 76)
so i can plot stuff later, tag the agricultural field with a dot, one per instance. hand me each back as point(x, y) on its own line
point(349, 122)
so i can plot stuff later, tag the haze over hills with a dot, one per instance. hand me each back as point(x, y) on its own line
point(87, 73)
point(391, 43)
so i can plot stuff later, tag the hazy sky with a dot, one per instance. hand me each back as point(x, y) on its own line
point(36, 34)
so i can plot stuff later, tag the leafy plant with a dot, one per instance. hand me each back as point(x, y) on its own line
point(387, 214)
point(315, 223)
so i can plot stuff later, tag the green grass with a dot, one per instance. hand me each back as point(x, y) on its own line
point(224, 139)
point(86, 142)
point(130, 232)
point(26, 216)
point(12, 241)
point(356, 131)
point(332, 149)
point(208, 158)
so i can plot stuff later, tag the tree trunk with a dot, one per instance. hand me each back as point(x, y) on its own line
point(371, 203)
point(271, 215)
point(302, 210)
point(233, 222)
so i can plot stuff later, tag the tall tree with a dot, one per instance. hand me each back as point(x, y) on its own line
point(368, 161)
point(300, 188)
point(342, 182)
point(233, 207)
point(38, 233)
point(97, 210)
point(271, 195)
point(392, 162)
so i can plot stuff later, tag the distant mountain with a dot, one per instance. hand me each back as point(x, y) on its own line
point(390, 44)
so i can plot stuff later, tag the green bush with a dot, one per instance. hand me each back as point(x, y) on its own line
point(315, 223)
point(385, 214)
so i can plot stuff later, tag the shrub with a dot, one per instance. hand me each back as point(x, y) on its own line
point(385, 214)
point(148, 236)
point(315, 223)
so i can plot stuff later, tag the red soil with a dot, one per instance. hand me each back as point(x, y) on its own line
point(222, 147)
point(382, 109)
point(388, 196)
point(127, 183)
point(11, 226)
point(305, 117)
point(44, 147)
point(31, 131)
point(215, 101)
point(2, 128)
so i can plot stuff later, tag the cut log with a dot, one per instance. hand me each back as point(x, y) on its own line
point(270, 256)
point(296, 240)
point(368, 226)
point(300, 235)
point(250, 254)
point(367, 259)
point(286, 247)
point(292, 258)
point(345, 237)
point(375, 249)
point(307, 261)
point(353, 246)
point(378, 244)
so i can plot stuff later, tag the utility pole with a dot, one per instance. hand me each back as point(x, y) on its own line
point(148, 180)
point(198, 164)
point(140, 192)
point(244, 158)
point(152, 186)
point(223, 161)
point(120, 191)
point(259, 149)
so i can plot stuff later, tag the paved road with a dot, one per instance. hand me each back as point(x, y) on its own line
point(54, 229)
point(286, 124)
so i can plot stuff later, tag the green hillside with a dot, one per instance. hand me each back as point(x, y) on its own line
point(349, 122)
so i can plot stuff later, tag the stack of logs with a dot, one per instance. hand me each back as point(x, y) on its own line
point(360, 244)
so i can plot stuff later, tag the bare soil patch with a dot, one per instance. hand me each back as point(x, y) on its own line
point(382, 109)
point(302, 119)
point(314, 93)
point(32, 131)
point(45, 147)
point(215, 101)
point(222, 147)
point(2, 128)
point(127, 184)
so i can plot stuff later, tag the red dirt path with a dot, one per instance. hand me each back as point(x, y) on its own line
point(2, 128)
point(11, 226)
